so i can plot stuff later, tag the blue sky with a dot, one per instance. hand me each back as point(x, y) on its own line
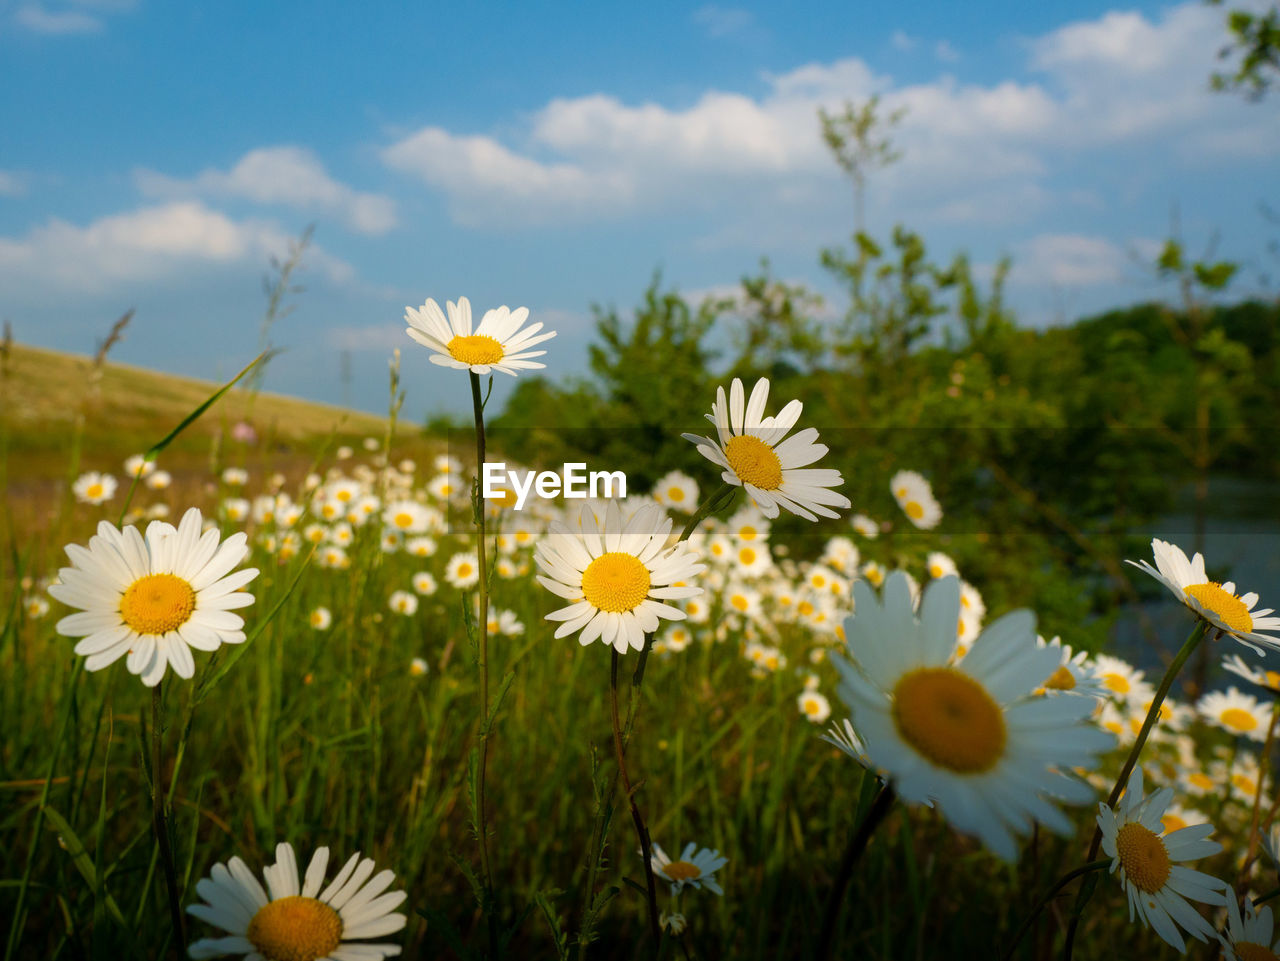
point(157, 155)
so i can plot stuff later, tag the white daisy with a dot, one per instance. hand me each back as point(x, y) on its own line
point(754, 455)
point(695, 867)
point(1158, 888)
point(971, 736)
point(424, 583)
point(1215, 603)
point(939, 565)
point(94, 488)
point(409, 517)
point(159, 480)
point(320, 618)
point(678, 491)
point(814, 706)
point(915, 497)
point(1263, 678)
point(154, 598)
point(403, 602)
point(1236, 713)
point(865, 526)
point(235, 476)
point(138, 466)
point(1249, 938)
point(616, 576)
point(498, 343)
point(418, 667)
point(293, 919)
point(463, 571)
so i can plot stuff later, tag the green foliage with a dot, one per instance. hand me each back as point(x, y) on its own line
point(1256, 37)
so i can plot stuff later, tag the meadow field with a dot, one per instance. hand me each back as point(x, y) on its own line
point(839, 735)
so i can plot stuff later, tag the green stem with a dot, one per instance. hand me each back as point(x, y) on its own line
point(482, 827)
point(642, 833)
point(1049, 896)
point(160, 823)
point(18, 920)
point(844, 873)
point(1192, 642)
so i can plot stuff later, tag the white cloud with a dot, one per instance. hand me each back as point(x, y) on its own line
point(290, 176)
point(901, 40)
point(39, 20)
point(1122, 79)
point(722, 21)
point(945, 52)
point(144, 246)
point(11, 184)
point(1068, 260)
point(67, 17)
point(487, 183)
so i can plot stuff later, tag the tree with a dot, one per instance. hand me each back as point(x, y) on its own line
point(855, 140)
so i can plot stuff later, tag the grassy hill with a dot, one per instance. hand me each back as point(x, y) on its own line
point(61, 415)
point(46, 391)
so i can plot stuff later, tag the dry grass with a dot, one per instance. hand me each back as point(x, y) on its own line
point(48, 389)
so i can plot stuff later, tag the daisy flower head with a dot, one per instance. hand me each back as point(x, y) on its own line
point(939, 565)
point(755, 456)
point(1143, 858)
point(403, 602)
point(320, 618)
point(154, 597)
point(677, 491)
point(1249, 937)
point(94, 488)
point(35, 607)
point(138, 466)
point(695, 867)
point(915, 497)
point(1263, 678)
point(1217, 604)
point(865, 526)
point(293, 918)
point(463, 571)
point(971, 736)
point(499, 342)
point(1236, 713)
point(617, 577)
point(1074, 675)
point(814, 706)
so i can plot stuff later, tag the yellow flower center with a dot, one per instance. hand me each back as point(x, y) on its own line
point(464, 570)
point(1229, 608)
point(739, 601)
point(949, 718)
point(1116, 682)
point(1200, 780)
point(1249, 951)
point(1061, 680)
point(812, 707)
point(747, 533)
point(1143, 856)
point(1238, 719)
point(914, 510)
point(295, 929)
point(682, 871)
point(404, 520)
point(93, 490)
point(754, 462)
point(157, 604)
point(675, 494)
point(1172, 822)
point(747, 555)
point(476, 349)
point(615, 582)
point(1272, 678)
